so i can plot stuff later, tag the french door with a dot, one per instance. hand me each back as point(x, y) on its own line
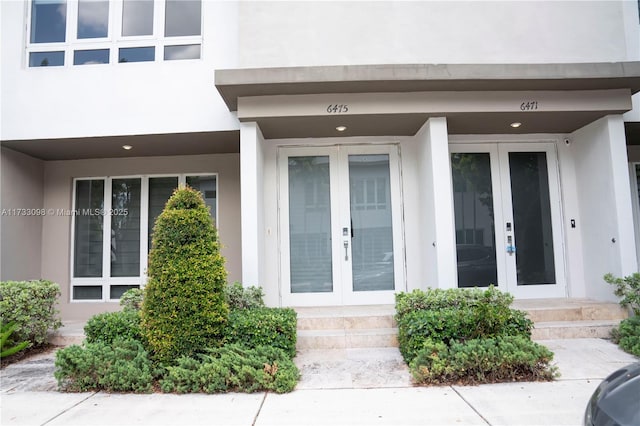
point(340, 225)
point(508, 218)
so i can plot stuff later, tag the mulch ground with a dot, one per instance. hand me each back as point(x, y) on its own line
point(26, 354)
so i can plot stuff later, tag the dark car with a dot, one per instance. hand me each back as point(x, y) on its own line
point(617, 400)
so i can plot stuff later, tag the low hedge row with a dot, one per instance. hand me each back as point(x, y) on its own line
point(468, 336)
point(233, 368)
point(627, 335)
point(31, 305)
point(255, 354)
point(125, 366)
point(458, 324)
point(110, 326)
point(119, 366)
point(485, 360)
point(275, 327)
point(436, 298)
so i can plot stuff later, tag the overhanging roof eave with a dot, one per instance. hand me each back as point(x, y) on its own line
point(235, 83)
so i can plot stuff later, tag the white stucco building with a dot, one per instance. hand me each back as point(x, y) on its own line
point(348, 150)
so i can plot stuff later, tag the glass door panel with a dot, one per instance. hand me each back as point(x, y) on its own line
point(507, 218)
point(532, 218)
point(371, 225)
point(310, 252)
point(341, 240)
point(474, 219)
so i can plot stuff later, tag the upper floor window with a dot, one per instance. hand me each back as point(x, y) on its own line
point(79, 31)
point(48, 21)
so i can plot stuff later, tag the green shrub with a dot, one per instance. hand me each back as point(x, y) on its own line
point(123, 366)
point(628, 288)
point(131, 299)
point(459, 323)
point(31, 306)
point(233, 368)
point(486, 360)
point(239, 297)
point(110, 326)
point(183, 309)
point(433, 299)
point(627, 335)
point(275, 327)
point(7, 345)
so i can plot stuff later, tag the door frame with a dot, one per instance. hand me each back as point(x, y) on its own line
point(503, 212)
point(342, 293)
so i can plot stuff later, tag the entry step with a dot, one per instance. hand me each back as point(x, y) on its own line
point(548, 330)
point(347, 338)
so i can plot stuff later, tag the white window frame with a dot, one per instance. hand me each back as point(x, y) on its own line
point(114, 40)
point(106, 281)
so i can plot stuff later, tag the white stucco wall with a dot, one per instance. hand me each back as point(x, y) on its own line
point(289, 33)
point(22, 187)
point(605, 204)
point(115, 99)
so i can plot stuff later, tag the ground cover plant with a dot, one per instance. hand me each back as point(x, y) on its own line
point(250, 350)
point(468, 336)
point(627, 334)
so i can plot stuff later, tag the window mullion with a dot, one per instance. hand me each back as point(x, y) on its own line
point(72, 21)
point(144, 229)
point(106, 240)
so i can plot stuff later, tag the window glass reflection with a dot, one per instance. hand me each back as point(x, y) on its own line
point(182, 18)
point(137, 17)
point(46, 59)
point(187, 51)
point(48, 21)
point(93, 18)
point(88, 57)
point(137, 54)
point(207, 186)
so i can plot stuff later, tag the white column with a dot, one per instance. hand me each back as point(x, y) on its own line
point(251, 199)
point(436, 206)
point(622, 194)
point(604, 197)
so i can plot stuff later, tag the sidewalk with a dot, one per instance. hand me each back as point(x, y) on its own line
point(339, 387)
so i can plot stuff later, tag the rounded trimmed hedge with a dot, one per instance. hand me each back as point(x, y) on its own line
point(184, 308)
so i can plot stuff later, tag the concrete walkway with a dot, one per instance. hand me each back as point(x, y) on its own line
point(339, 387)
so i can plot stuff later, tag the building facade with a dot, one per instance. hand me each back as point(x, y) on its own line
point(347, 150)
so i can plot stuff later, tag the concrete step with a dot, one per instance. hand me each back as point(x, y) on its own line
point(553, 310)
point(548, 330)
point(345, 327)
point(347, 338)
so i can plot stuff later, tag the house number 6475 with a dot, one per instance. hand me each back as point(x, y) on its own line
point(337, 108)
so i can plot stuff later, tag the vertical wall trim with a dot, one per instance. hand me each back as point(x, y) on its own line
point(251, 200)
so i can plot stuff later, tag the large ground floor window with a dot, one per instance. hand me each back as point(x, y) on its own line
point(113, 219)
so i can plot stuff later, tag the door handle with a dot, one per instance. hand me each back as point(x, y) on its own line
point(511, 249)
point(346, 250)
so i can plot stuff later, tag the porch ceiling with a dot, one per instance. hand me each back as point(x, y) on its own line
point(340, 80)
point(142, 145)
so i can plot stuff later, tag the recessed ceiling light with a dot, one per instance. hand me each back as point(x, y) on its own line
point(515, 125)
point(341, 128)
point(127, 147)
